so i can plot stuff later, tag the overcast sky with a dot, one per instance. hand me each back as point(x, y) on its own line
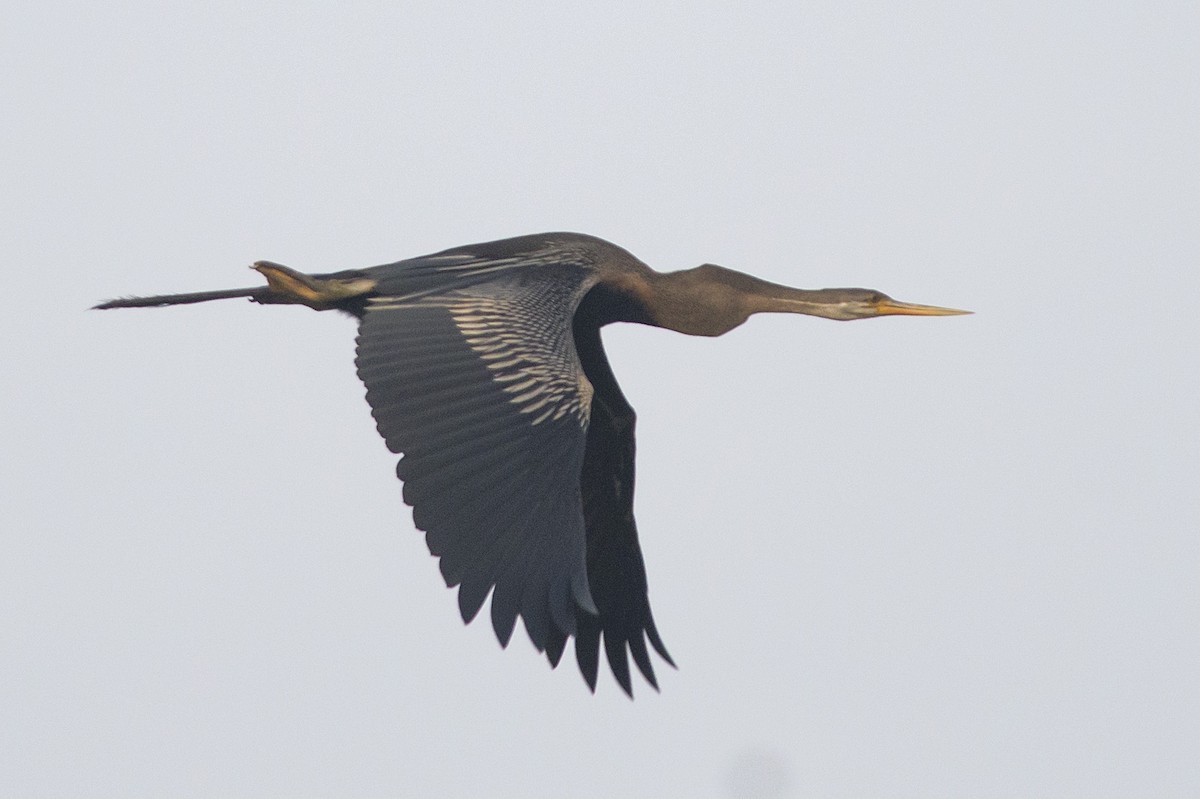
point(900, 557)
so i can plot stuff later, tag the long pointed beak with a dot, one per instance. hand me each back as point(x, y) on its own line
point(895, 308)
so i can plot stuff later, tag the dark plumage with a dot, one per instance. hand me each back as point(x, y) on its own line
point(485, 370)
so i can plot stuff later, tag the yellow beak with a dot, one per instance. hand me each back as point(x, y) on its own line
point(894, 308)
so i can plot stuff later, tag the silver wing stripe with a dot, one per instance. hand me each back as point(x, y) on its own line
point(542, 377)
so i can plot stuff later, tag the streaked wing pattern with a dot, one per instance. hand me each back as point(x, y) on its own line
point(480, 389)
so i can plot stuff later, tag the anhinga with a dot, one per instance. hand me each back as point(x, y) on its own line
point(484, 368)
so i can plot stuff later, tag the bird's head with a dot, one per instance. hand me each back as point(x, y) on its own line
point(845, 304)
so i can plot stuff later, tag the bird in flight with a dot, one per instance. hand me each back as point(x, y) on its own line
point(485, 370)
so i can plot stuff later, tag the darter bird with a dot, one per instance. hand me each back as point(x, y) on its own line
point(484, 369)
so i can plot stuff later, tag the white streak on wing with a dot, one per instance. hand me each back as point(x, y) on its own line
point(517, 330)
point(537, 406)
point(524, 384)
point(547, 414)
point(496, 365)
point(523, 400)
point(526, 353)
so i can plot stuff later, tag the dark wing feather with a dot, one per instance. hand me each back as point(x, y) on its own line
point(479, 387)
point(616, 572)
point(521, 478)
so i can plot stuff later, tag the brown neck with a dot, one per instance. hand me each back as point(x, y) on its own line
point(711, 300)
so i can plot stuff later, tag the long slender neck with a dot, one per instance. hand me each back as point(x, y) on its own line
point(711, 300)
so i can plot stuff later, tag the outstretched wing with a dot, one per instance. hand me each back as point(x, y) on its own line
point(616, 572)
point(478, 385)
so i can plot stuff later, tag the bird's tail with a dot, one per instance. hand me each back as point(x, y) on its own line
point(285, 286)
point(257, 293)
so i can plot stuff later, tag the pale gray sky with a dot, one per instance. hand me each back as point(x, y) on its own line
point(903, 557)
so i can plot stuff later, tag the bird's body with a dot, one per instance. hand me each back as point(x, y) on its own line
point(484, 367)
